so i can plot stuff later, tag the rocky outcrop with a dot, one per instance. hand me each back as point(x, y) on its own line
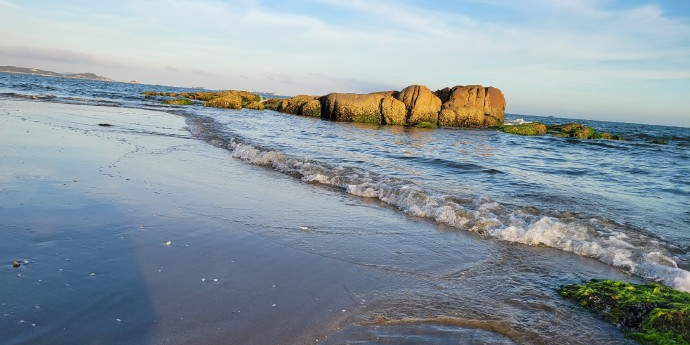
point(415, 105)
point(422, 104)
point(232, 99)
point(580, 131)
point(471, 106)
point(568, 130)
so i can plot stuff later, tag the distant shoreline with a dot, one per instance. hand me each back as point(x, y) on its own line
point(44, 73)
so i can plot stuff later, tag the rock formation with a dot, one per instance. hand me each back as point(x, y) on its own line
point(471, 106)
point(415, 105)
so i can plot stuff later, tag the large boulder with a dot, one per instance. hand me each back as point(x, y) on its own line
point(393, 111)
point(422, 104)
point(471, 106)
point(363, 108)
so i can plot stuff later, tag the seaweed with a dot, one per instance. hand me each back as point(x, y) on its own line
point(530, 128)
point(647, 313)
point(179, 101)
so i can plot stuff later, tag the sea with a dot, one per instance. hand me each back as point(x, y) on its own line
point(625, 203)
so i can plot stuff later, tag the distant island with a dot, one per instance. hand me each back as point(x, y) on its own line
point(35, 71)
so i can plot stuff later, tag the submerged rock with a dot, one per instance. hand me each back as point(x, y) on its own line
point(649, 313)
point(179, 101)
point(232, 99)
point(530, 128)
point(578, 130)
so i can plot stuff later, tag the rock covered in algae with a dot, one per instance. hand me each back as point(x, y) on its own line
point(530, 128)
point(578, 130)
point(230, 101)
point(179, 101)
point(647, 313)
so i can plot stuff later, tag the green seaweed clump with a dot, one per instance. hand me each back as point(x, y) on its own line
point(604, 135)
point(530, 128)
point(423, 124)
point(647, 313)
point(580, 131)
point(572, 130)
point(179, 101)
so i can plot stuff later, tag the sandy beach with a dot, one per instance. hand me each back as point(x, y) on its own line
point(137, 233)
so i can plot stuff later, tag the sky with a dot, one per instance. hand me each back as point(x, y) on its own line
point(608, 60)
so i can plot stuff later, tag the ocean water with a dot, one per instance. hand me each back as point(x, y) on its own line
point(625, 203)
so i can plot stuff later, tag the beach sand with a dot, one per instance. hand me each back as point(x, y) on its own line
point(137, 233)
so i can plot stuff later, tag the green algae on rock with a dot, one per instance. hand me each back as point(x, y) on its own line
point(530, 128)
point(578, 130)
point(429, 125)
point(647, 313)
point(230, 101)
point(179, 101)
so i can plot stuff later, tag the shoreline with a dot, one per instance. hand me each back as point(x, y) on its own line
point(140, 233)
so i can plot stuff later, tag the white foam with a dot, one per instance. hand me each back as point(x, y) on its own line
point(638, 255)
point(519, 121)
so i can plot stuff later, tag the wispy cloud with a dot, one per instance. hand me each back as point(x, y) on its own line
point(316, 46)
point(54, 54)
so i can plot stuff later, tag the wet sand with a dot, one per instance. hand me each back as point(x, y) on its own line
point(138, 233)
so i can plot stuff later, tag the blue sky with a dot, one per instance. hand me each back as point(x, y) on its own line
point(598, 59)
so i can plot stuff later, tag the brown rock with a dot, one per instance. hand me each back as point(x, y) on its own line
point(255, 105)
point(272, 103)
point(231, 101)
point(422, 104)
point(311, 108)
point(393, 111)
point(294, 105)
point(444, 94)
point(472, 106)
point(364, 108)
point(247, 97)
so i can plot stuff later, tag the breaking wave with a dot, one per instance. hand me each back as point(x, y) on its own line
point(594, 237)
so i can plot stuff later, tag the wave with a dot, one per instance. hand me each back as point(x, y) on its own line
point(593, 237)
point(14, 95)
point(519, 121)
